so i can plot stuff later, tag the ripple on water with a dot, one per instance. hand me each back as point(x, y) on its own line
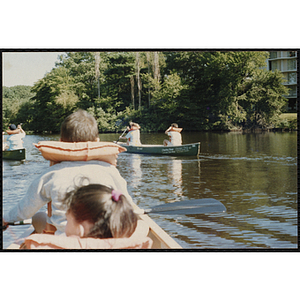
point(258, 188)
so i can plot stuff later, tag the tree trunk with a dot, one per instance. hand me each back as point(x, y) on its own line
point(97, 70)
point(156, 70)
point(138, 78)
point(132, 90)
point(148, 62)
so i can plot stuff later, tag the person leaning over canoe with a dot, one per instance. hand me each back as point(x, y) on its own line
point(133, 135)
point(15, 139)
point(174, 134)
point(53, 184)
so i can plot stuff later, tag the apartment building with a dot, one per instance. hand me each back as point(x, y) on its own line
point(286, 62)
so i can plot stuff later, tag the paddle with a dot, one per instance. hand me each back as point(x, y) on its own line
point(24, 222)
point(189, 207)
point(120, 136)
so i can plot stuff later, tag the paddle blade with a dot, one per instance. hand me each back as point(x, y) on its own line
point(24, 222)
point(189, 207)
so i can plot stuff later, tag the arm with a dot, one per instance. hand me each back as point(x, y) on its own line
point(128, 135)
point(125, 137)
point(29, 205)
point(21, 129)
point(166, 132)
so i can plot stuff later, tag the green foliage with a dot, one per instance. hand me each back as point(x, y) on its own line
point(287, 121)
point(264, 101)
point(164, 94)
point(13, 99)
point(67, 99)
point(80, 68)
point(49, 109)
point(199, 90)
point(117, 78)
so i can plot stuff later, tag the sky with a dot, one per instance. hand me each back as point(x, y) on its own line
point(26, 68)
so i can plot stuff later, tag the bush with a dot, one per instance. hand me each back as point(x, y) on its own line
point(287, 121)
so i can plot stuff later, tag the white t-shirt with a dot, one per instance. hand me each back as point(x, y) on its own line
point(133, 137)
point(56, 181)
point(175, 138)
point(4, 144)
point(15, 141)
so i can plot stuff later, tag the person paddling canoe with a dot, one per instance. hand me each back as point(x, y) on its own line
point(174, 134)
point(15, 139)
point(133, 136)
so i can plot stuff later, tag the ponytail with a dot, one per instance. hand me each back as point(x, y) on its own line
point(108, 209)
point(123, 220)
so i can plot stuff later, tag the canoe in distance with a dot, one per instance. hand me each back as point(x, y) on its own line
point(183, 150)
point(19, 154)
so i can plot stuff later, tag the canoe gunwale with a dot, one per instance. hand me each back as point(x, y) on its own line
point(192, 149)
point(17, 154)
point(161, 239)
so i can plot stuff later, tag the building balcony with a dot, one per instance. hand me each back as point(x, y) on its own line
point(288, 70)
point(274, 55)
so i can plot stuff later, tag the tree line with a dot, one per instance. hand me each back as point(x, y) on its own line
point(199, 90)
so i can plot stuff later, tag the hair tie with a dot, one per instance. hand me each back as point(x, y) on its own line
point(116, 195)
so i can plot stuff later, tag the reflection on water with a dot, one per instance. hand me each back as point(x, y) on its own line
point(253, 175)
point(175, 175)
point(135, 176)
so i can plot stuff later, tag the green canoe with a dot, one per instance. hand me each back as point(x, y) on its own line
point(18, 154)
point(183, 150)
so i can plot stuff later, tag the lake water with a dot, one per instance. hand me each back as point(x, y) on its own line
point(253, 174)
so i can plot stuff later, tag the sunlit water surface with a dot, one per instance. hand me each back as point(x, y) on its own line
point(253, 175)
